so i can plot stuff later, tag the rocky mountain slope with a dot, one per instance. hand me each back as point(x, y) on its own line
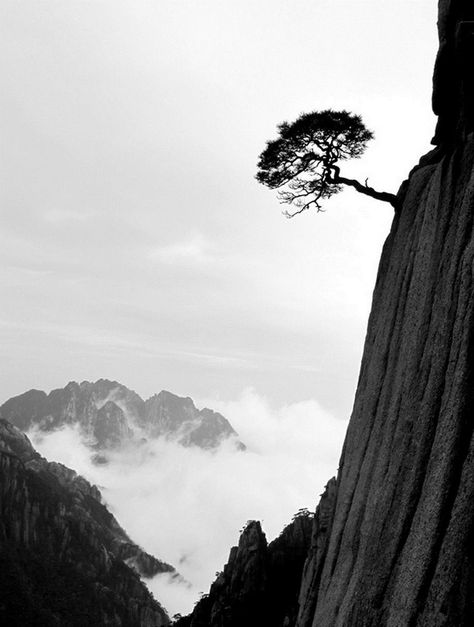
point(64, 559)
point(399, 548)
point(260, 583)
point(110, 415)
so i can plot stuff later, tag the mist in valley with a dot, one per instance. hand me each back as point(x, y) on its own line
point(186, 505)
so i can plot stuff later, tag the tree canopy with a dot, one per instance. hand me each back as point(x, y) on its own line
point(303, 162)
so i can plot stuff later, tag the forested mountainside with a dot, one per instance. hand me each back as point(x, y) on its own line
point(110, 415)
point(64, 558)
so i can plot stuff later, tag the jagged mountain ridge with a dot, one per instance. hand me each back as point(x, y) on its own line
point(110, 415)
point(259, 585)
point(64, 559)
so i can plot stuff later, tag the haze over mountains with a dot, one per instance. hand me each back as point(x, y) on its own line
point(161, 469)
point(109, 415)
point(64, 558)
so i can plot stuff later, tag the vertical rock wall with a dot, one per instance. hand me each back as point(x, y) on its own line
point(400, 550)
point(453, 79)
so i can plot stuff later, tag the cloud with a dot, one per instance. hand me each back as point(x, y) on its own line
point(194, 249)
point(186, 506)
point(60, 216)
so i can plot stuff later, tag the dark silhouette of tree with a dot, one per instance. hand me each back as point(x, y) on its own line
point(303, 161)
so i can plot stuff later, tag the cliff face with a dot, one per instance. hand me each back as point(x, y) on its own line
point(400, 548)
point(453, 89)
point(64, 559)
point(259, 584)
point(110, 415)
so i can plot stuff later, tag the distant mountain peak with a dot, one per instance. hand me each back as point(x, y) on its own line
point(110, 415)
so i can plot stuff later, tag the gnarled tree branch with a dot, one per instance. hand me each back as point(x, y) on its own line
point(337, 179)
point(303, 160)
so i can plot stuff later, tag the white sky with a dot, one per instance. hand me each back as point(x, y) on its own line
point(136, 244)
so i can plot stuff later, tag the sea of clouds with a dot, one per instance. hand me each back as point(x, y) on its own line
point(186, 506)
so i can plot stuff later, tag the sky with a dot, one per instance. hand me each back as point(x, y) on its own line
point(136, 244)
